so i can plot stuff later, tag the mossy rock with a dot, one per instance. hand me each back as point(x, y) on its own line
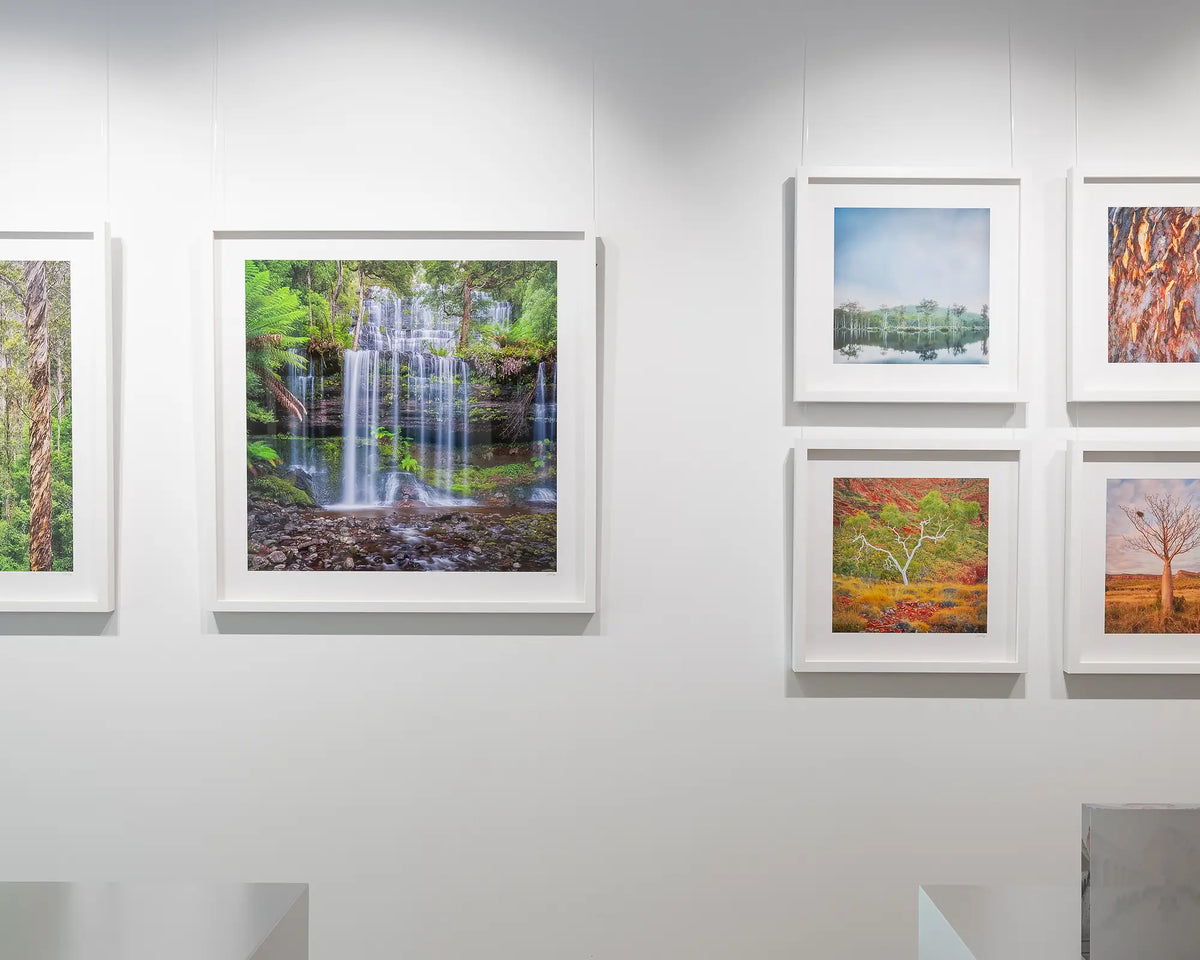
point(279, 490)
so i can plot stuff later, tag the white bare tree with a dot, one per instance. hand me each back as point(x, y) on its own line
point(930, 530)
point(1167, 527)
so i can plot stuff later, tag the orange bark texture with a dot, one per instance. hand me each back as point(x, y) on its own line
point(1153, 284)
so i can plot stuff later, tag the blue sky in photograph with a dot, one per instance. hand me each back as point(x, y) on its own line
point(1120, 557)
point(892, 255)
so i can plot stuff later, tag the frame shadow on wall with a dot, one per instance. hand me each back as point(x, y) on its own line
point(449, 624)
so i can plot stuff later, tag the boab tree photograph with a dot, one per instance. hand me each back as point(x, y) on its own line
point(1153, 283)
point(1152, 538)
point(911, 284)
point(910, 555)
point(402, 415)
point(36, 528)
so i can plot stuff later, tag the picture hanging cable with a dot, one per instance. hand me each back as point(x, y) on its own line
point(1012, 123)
point(804, 99)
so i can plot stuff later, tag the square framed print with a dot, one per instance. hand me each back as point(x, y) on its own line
point(1134, 287)
point(406, 421)
point(56, 524)
point(1133, 559)
point(907, 285)
point(905, 555)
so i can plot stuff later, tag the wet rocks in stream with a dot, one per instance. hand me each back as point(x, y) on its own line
point(480, 539)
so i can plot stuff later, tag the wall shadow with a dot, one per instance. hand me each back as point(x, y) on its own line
point(403, 624)
point(55, 624)
point(598, 479)
point(1105, 414)
point(116, 253)
point(1132, 686)
point(929, 686)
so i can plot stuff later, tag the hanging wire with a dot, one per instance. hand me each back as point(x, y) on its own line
point(1075, 67)
point(216, 179)
point(108, 15)
point(804, 98)
point(592, 136)
point(1012, 122)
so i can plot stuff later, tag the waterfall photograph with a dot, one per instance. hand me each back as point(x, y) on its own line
point(36, 490)
point(910, 285)
point(401, 415)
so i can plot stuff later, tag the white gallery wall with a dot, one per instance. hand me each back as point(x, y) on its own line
point(652, 781)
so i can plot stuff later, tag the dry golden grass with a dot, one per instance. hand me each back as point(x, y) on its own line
point(848, 623)
point(1133, 606)
point(951, 607)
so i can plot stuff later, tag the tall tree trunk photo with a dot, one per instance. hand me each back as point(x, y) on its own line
point(37, 332)
point(466, 314)
point(1168, 589)
point(362, 303)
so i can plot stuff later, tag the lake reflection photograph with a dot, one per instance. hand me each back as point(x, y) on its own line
point(401, 415)
point(911, 284)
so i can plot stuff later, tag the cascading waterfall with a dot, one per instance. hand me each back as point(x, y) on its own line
point(405, 366)
point(309, 389)
point(545, 432)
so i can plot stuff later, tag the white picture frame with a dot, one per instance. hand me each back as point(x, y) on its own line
point(818, 460)
point(1094, 461)
point(569, 589)
point(1092, 375)
point(90, 586)
point(818, 377)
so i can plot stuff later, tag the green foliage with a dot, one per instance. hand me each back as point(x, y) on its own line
point(531, 286)
point(260, 454)
point(14, 527)
point(273, 317)
point(535, 306)
point(484, 480)
point(939, 540)
point(15, 425)
point(517, 361)
point(278, 489)
point(900, 318)
point(543, 456)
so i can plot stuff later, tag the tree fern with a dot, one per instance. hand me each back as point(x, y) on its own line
point(274, 318)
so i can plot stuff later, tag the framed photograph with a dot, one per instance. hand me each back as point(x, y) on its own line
point(1134, 287)
point(907, 285)
point(905, 555)
point(56, 500)
point(406, 422)
point(1133, 561)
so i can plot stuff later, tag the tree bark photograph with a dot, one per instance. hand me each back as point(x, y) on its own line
point(36, 524)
